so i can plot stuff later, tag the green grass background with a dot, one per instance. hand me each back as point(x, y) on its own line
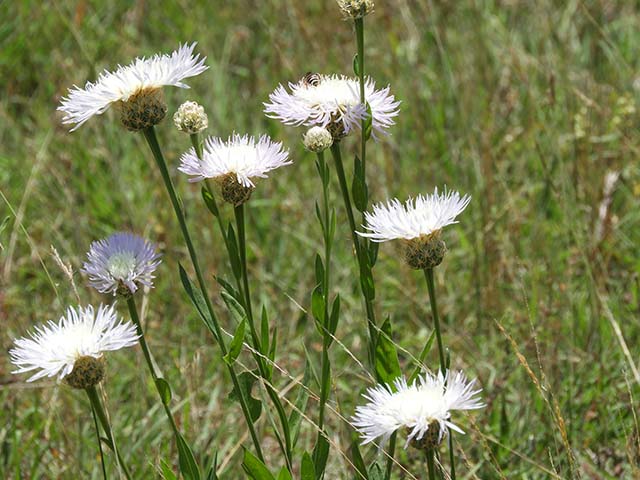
point(521, 104)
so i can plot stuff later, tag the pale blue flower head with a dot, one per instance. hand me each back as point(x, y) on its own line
point(121, 263)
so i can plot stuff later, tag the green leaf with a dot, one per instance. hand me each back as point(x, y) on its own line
point(366, 283)
point(319, 217)
point(167, 473)
point(320, 455)
point(255, 468)
point(307, 470)
point(4, 223)
point(272, 352)
point(236, 309)
point(319, 272)
point(164, 389)
point(387, 365)
point(235, 347)
point(317, 305)
point(246, 381)
point(198, 300)
point(376, 472)
point(325, 388)
point(234, 255)
point(210, 202)
point(359, 186)
point(212, 474)
point(368, 125)
point(334, 317)
point(373, 252)
point(356, 65)
point(264, 332)
point(295, 419)
point(423, 355)
point(358, 463)
point(284, 474)
point(188, 466)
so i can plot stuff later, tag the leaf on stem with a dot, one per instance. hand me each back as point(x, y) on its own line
point(235, 347)
point(210, 202)
point(387, 365)
point(198, 301)
point(188, 466)
point(164, 389)
point(255, 469)
point(246, 381)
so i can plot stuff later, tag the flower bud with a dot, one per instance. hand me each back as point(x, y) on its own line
point(425, 251)
point(356, 8)
point(87, 372)
point(191, 118)
point(143, 109)
point(317, 139)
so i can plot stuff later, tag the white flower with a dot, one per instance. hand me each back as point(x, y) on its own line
point(126, 83)
point(418, 217)
point(122, 261)
point(317, 139)
point(355, 8)
point(332, 101)
point(54, 347)
point(419, 407)
point(191, 118)
point(240, 156)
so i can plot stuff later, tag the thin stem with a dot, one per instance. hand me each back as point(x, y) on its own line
point(428, 275)
point(96, 404)
point(431, 465)
point(359, 24)
point(390, 452)
point(133, 312)
point(152, 140)
point(95, 423)
point(264, 373)
point(361, 257)
point(452, 463)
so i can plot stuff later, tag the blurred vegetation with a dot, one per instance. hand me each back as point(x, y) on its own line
point(528, 106)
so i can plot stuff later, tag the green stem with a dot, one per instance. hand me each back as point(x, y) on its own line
point(452, 463)
point(359, 24)
point(96, 404)
point(361, 257)
point(390, 452)
point(95, 424)
point(431, 465)
point(133, 312)
point(428, 275)
point(257, 343)
point(152, 140)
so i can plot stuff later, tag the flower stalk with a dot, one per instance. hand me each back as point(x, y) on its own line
point(152, 140)
point(96, 405)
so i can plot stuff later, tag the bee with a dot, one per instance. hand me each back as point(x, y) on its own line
point(311, 79)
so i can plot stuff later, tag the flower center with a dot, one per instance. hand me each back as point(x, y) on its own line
point(121, 264)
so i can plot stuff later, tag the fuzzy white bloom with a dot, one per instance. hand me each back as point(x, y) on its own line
point(422, 216)
point(419, 407)
point(143, 74)
point(332, 101)
point(121, 263)
point(54, 347)
point(191, 118)
point(240, 156)
point(355, 8)
point(317, 139)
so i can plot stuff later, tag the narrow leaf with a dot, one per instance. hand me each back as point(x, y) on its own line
point(356, 65)
point(319, 272)
point(387, 365)
point(255, 468)
point(210, 202)
point(235, 347)
point(317, 305)
point(164, 389)
point(423, 355)
point(307, 470)
point(284, 474)
point(198, 300)
point(320, 455)
point(188, 466)
point(358, 463)
point(234, 256)
point(246, 381)
point(295, 419)
point(236, 309)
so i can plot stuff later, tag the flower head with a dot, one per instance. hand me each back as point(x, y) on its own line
point(136, 88)
point(191, 118)
point(235, 163)
point(121, 263)
point(355, 8)
point(317, 139)
point(333, 102)
point(422, 216)
point(82, 334)
point(422, 408)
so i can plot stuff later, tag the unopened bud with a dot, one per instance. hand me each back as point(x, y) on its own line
point(317, 139)
point(191, 118)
